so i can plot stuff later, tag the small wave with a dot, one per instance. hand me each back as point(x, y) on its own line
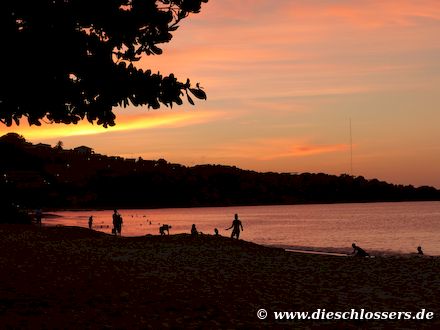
point(335, 251)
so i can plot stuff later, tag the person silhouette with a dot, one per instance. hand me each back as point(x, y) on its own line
point(90, 222)
point(38, 216)
point(359, 252)
point(216, 231)
point(119, 225)
point(419, 250)
point(236, 225)
point(194, 230)
point(116, 222)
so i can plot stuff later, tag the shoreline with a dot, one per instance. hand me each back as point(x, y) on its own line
point(331, 251)
point(390, 229)
point(325, 251)
point(346, 252)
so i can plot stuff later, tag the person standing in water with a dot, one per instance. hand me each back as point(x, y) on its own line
point(236, 225)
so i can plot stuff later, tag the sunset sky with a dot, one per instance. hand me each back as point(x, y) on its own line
point(283, 79)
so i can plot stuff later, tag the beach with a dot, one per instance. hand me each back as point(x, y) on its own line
point(69, 277)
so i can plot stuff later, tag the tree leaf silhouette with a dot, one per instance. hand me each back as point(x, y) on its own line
point(200, 94)
point(190, 100)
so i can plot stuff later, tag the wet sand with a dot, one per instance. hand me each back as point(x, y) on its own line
point(68, 277)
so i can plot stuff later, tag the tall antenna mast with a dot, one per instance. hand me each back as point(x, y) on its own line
point(351, 150)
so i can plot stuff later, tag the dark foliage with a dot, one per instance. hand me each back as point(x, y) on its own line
point(13, 155)
point(50, 177)
point(13, 214)
point(68, 60)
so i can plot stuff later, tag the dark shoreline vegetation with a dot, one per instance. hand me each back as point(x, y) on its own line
point(49, 212)
point(42, 176)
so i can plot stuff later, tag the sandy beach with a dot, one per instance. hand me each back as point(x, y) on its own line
point(68, 277)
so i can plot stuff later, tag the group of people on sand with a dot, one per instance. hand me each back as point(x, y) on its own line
point(117, 223)
point(235, 226)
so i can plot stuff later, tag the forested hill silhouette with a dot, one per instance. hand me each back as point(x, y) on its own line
point(39, 175)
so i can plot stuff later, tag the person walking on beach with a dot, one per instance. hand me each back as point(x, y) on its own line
point(359, 252)
point(90, 222)
point(236, 225)
point(119, 227)
point(117, 223)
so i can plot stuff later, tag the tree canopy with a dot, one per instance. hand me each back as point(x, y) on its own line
point(63, 61)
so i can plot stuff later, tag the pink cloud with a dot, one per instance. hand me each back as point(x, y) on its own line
point(275, 148)
point(365, 13)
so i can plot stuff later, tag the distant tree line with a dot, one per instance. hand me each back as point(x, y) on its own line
point(41, 176)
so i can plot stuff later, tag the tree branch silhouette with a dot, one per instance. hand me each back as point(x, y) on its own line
point(69, 60)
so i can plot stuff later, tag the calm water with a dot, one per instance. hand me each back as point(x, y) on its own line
point(381, 227)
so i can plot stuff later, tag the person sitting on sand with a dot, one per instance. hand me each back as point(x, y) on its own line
point(419, 250)
point(194, 231)
point(90, 222)
point(359, 252)
point(236, 225)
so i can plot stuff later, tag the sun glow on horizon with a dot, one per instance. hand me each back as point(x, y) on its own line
point(123, 123)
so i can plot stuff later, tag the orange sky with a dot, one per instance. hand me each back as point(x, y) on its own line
point(283, 79)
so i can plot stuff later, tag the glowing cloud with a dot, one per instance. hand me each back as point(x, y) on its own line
point(271, 149)
point(124, 123)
